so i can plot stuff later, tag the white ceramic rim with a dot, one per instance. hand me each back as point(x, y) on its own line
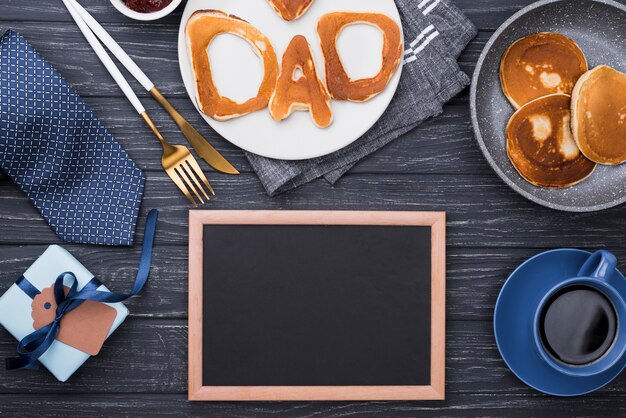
point(122, 8)
point(185, 69)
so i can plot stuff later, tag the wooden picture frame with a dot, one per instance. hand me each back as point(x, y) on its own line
point(434, 391)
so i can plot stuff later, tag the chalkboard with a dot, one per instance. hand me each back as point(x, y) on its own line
point(316, 305)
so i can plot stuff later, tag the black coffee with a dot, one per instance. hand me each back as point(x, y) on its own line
point(578, 325)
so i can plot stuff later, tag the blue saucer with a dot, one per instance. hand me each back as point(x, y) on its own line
point(513, 323)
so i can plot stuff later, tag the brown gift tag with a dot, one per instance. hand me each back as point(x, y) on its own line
point(85, 328)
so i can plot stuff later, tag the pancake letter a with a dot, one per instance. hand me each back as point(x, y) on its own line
point(299, 87)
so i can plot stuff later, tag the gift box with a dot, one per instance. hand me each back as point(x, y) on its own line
point(30, 304)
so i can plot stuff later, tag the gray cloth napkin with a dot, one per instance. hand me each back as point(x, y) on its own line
point(435, 34)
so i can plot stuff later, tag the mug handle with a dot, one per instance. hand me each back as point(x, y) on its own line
point(600, 265)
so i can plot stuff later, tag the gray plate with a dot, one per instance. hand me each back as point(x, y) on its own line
point(599, 27)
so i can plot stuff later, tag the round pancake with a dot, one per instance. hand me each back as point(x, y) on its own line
point(541, 147)
point(599, 115)
point(540, 64)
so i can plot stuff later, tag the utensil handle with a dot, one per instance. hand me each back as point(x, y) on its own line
point(600, 265)
point(105, 58)
point(169, 108)
point(113, 46)
point(155, 131)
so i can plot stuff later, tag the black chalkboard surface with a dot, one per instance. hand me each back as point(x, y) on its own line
point(287, 307)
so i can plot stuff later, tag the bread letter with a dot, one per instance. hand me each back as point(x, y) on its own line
point(340, 85)
point(202, 28)
point(306, 92)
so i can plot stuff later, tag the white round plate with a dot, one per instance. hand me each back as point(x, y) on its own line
point(237, 73)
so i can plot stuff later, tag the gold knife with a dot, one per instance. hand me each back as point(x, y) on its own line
point(197, 141)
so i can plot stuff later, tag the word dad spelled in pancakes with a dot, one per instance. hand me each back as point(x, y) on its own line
point(568, 119)
point(296, 85)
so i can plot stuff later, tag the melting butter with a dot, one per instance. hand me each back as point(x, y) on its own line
point(567, 145)
point(550, 80)
point(542, 127)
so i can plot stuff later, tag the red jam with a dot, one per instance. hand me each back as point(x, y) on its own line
point(147, 6)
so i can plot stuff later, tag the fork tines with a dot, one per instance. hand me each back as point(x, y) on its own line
point(189, 176)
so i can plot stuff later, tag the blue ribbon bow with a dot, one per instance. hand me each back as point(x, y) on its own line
point(37, 343)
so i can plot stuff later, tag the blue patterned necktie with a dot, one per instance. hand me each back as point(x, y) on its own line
point(55, 149)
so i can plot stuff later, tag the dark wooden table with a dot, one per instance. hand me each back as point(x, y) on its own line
point(142, 369)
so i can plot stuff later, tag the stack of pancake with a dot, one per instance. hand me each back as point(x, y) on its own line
point(568, 119)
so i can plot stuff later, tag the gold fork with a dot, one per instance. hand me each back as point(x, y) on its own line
point(177, 161)
point(181, 166)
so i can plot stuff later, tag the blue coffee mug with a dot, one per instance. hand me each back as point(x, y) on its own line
point(598, 272)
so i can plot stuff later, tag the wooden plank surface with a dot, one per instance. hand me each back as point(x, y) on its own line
point(474, 276)
point(142, 370)
point(488, 14)
point(82, 67)
point(482, 210)
point(473, 366)
point(480, 405)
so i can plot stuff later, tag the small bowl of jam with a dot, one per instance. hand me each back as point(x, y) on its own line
point(146, 9)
